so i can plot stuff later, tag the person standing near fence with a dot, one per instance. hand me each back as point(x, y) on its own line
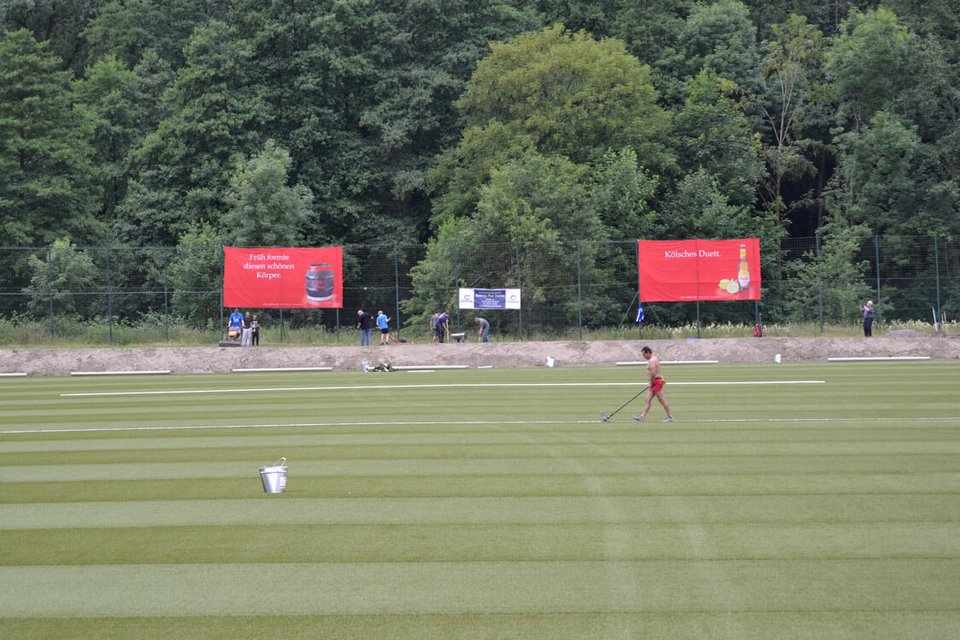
point(246, 330)
point(363, 324)
point(234, 324)
point(867, 310)
point(383, 323)
point(255, 331)
point(483, 329)
point(441, 327)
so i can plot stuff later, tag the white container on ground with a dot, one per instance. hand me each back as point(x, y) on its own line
point(274, 477)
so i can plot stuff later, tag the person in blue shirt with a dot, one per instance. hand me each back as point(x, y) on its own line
point(383, 322)
point(442, 326)
point(236, 321)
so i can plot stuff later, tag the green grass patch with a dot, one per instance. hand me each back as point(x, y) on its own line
point(819, 498)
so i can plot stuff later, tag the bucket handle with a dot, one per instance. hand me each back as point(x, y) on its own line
point(279, 463)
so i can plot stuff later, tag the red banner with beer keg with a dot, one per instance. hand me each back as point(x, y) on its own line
point(283, 277)
point(690, 270)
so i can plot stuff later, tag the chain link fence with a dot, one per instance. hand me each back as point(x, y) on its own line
point(569, 289)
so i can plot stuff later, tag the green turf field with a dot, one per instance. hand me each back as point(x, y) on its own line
point(787, 501)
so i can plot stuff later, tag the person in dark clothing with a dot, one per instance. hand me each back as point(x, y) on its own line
point(363, 324)
point(867, 310)
point(442, 328)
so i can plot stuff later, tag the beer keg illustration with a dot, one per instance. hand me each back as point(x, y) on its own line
point(320, 282)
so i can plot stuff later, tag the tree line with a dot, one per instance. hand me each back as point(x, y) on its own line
point(459, 124)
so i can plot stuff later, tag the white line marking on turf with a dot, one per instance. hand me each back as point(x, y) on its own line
point(468, 423)
point(382, 387)
point(393, 423)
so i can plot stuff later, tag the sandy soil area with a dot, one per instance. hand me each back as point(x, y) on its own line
point(61, 362)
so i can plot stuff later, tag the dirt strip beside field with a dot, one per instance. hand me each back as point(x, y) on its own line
point(214, 359)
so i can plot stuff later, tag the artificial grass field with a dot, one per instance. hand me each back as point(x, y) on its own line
point(484, 504)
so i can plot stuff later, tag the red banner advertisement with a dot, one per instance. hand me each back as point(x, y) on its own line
point(283, 277)
point(689, 270)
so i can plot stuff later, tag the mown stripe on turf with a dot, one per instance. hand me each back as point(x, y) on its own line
point(948, 422)
point(478, 543)
point(309, 437)
point(284, 509)
point(428, 387)
point(676, 625)
point(675, 483)
point(486, 587)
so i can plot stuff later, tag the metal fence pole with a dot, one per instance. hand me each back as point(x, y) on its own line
point(819, 284)
point(456, 283)
point(579, 291)
point(396, 285)
point(516, 246)
point(166, 294)
point(223, 279)
point(53, 324)
point(109, 298)
point(876, 257)
point(936, 269)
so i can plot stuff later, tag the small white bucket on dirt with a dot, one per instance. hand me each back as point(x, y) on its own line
point(550, 361)
point(776, 358)
point(274, 477)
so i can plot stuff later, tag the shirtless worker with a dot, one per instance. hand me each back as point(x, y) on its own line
point(655, 376)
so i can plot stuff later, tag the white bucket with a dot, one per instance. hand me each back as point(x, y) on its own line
point(550, 361)
point(776, 358)
point(274, 478)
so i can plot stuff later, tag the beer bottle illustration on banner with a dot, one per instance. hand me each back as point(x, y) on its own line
point(743, 269)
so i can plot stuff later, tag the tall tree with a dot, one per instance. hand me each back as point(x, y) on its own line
point(792, 105)
point(186, 163)
point(109, 95)
point(651, 30)
point(712, 132)
point(571, 94)
point(198, 263)
point(48, 184)
point(264, 210)
point(877, 172)
point(867, 64)
point(718, 37)
point(559, 94)
point(58, 23)
point(59, 285)
point(361, 93)
point(127, 29)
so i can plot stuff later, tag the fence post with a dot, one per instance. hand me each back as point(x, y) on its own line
point(876, 258)
point(579, 292)
point(53, 324)
point(936, 268)
point(166, 294)
point(223, 279)
point(396, 284)
point(819, 283)
point(109, 298)
point(456, 281)
point(516, 246)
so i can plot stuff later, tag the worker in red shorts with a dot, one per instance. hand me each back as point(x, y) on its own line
point(655, 376)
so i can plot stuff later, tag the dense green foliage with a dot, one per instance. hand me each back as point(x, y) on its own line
point(447, 123)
